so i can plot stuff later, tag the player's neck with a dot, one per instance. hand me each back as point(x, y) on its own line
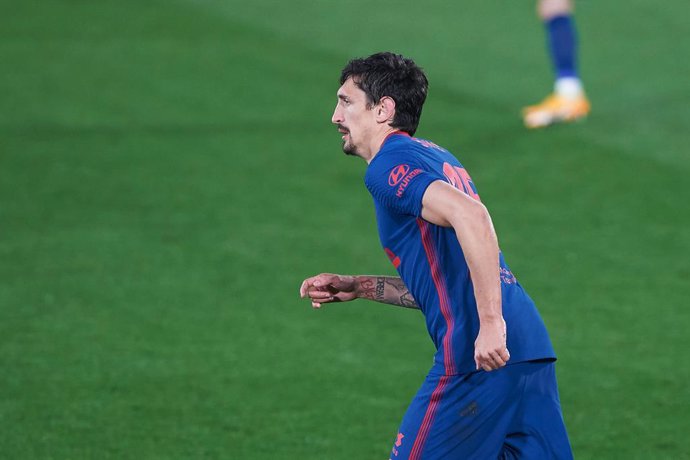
point(377, 142)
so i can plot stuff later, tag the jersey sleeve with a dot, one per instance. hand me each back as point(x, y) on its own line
point(399, 184)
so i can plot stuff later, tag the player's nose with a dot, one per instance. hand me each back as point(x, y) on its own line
point(337, 116)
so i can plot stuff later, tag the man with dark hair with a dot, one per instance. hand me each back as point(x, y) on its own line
point(492, 390)
point(391, 75)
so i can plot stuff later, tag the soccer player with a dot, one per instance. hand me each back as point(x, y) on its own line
point(568, 101)
point(492, 389)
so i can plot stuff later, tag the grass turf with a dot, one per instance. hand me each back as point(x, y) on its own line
point(169, 175)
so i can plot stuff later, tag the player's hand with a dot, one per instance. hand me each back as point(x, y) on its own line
point(490, 350)
point(327, 287)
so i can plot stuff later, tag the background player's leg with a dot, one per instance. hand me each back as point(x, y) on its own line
point(568, 101)
point(562, 38)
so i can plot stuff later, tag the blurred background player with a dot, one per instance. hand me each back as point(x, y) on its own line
point(568, 101)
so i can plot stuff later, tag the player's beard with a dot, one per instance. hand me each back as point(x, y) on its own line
point(348, 146)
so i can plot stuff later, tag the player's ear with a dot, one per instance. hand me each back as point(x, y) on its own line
point(385, 110)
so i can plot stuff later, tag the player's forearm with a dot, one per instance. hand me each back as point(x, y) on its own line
point(385, 289)
point(480, 246)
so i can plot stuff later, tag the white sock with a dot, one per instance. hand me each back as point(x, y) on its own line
point(568, 87)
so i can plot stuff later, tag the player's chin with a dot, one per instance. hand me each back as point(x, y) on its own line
point(349, 149)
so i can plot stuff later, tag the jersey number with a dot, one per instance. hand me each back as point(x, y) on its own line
point(459, 179)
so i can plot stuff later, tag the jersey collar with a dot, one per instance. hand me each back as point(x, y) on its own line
point(395, 133)
point(385, 139)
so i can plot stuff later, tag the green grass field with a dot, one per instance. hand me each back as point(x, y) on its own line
point(169, 175)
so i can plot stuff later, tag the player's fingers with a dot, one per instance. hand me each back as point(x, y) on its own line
point(491, 364)
point(324, 279)
point(319, 280)
point(497, 359)
point(492, 360)
point(303, 288)
point(316, 305)
point(505, 355)
point(484, 358)
point(313, 294)
point(480, 360)
point(342, 297)
point(307, 285)
point(484, 361)
point(325, 299)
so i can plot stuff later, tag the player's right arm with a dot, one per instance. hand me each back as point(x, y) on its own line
point(328, 287)
point(446, 206)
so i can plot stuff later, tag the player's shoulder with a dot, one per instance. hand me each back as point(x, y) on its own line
point(396, 158)
point(400, 147)
point(400, 172)
point(403, 157)
point(408, 150)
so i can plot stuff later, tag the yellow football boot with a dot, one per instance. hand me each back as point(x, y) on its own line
point(556, 109)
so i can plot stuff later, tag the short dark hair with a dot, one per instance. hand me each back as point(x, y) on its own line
point(392, 75)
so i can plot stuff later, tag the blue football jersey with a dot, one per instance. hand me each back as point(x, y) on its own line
point(430, 260)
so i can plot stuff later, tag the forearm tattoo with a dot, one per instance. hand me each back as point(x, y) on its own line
point(386, 289)
point(397, 293)
point(367, 287)
point(380, 288)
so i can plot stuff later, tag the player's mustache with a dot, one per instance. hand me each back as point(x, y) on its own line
point(344, 129)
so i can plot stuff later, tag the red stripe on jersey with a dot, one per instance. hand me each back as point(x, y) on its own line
point(428, 420)
point(442, 291)
point(395, 260)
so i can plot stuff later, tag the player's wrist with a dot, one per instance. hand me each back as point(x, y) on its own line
point(490, 318)
point(358, 282)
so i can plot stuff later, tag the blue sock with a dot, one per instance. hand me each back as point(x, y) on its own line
point(563, 44)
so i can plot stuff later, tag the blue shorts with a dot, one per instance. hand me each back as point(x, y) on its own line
point(513, 412)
